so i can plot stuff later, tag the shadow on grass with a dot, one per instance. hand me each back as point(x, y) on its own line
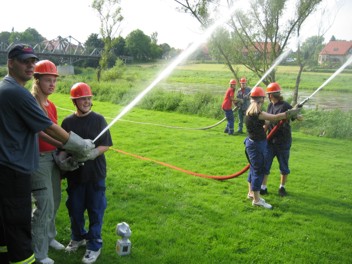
point(312, 205)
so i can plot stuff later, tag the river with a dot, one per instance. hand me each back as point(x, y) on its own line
point(322, 100)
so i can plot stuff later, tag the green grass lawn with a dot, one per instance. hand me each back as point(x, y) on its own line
point(179, 218)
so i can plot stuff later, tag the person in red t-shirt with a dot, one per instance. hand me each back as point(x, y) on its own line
point(46, 183)
point(227, 103)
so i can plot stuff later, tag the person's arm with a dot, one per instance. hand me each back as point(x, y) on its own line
point(49, 139)
point(103, 149)
point(57, 133)
point(271, 117)
point(71, 141)
point(94, 153)
point(292, 113)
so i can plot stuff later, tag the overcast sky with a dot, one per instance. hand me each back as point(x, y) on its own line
point(77, 19)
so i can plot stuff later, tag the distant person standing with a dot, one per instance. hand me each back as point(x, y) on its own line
point(242, 103)
point(46, 182)
point(21, 119)
point(86, 185)
point(256, 143)
point(279, 145)
point(228, 102)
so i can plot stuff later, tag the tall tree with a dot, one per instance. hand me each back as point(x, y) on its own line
point(307, 55)
point(110, 21)
point(256, 35)
point(138, 45)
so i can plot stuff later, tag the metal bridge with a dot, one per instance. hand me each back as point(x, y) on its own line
point(62, 50)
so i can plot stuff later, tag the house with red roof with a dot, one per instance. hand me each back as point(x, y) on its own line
point(261, 48)
point(335, 52)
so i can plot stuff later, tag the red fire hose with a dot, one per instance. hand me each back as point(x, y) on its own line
point(221, 178)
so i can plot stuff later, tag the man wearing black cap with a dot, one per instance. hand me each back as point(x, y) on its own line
point(21, 119)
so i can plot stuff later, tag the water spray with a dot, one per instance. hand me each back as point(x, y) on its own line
point(185, 54)
point(338, 71)
point(277, 62)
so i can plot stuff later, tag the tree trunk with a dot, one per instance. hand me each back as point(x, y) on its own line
point(298, 80)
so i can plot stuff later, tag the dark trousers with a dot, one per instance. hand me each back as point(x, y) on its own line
point(15, 216)
point(88, 196)
point(230, 121)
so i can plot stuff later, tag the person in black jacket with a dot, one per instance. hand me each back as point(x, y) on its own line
point(86, 184)
point(280, 143)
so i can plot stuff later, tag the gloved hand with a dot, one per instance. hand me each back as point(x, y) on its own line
point(91, 155)
point(66, 162)
point(75, 144)
point(293, 113)
point(297, 106)
point(239, 101)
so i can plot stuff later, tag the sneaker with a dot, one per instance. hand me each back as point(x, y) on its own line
point(74, 245)
point(56, 245)
point(264, 191)
point(262, 203)
point(45, 261)
point(282, 192)
point(250, 196)
point(90, 256)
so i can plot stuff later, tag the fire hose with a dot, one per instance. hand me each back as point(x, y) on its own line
point(221, 178)
point(269, 136)
point(184, 128)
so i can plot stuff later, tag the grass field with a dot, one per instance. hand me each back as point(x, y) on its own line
point(179, 218)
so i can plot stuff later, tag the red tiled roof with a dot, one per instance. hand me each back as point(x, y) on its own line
point(337, 47)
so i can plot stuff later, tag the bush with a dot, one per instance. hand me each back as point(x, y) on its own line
point(333, 124)
point(162, 101)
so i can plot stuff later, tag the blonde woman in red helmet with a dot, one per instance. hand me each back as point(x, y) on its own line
point(256, 142)
point(46, 183)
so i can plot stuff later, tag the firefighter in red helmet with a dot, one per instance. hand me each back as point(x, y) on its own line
point(46, 183)
point(228, 102)
point(242, 103)
point(279, 144)
point(86, 185)
point(256, 143)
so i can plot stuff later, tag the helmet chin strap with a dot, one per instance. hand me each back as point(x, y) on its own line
point(82, 113)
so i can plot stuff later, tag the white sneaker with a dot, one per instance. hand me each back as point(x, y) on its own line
point(90, 256)
point(262, 203)
point(56, 245)
point(45, 261)
point(74, 245)
point(251, 197)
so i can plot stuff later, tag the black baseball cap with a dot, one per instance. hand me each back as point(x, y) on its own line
point(22, 52)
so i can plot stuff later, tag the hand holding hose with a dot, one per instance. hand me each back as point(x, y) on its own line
point(65, 161)
point(293, 113)
point(76, 144)
point(91, 155)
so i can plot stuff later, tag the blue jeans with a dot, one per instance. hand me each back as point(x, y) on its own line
point(257, 154)
point(241, 114)
point(88, 196)
point(230, 121)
